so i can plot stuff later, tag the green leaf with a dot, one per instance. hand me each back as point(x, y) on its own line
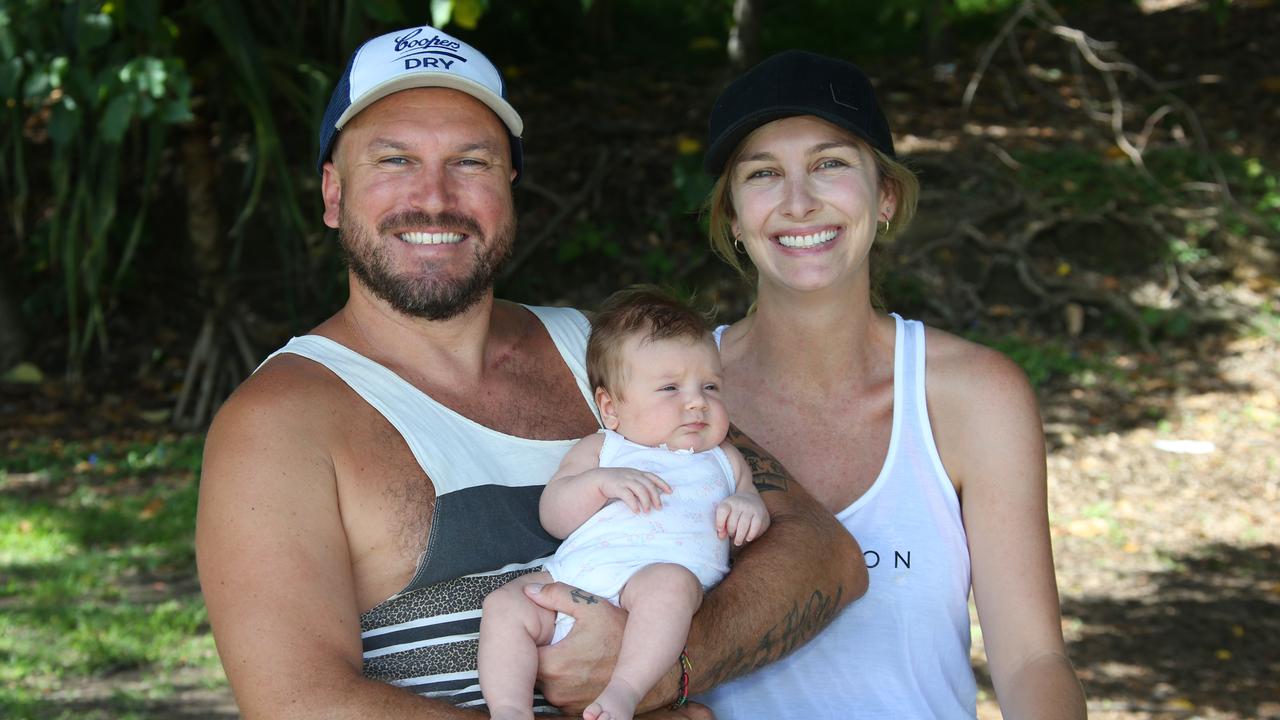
point(8, 48)
point(10, 77)
point(115, 121)
point(143, 15)
point(38, 85)
point(174, 112)
point(441, 11)
point(386, 11)
point(95, 31)
point(64, 121)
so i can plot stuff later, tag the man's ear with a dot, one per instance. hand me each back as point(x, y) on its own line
point(331, 191)
point(608, 410)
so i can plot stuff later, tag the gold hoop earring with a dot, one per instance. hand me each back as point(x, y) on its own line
point(886, 227)
point(738, 246)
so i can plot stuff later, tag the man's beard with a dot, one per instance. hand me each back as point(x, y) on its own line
point(421, 292)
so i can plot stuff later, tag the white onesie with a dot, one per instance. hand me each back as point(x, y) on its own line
point(606, 550)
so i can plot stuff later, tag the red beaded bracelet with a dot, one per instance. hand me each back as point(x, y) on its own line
point(682, 696)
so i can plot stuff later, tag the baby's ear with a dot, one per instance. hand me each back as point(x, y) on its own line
point(608, 411)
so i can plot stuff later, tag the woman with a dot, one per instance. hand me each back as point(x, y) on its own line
point(940, 476)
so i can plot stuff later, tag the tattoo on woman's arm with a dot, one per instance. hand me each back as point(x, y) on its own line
point(766, 472)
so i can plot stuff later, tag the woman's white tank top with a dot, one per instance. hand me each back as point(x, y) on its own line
point(900, 652)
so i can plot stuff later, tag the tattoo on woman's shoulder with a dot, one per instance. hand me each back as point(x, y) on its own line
point(766, 472)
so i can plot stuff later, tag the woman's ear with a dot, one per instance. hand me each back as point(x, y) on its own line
point(888, 205)
point(608, 410)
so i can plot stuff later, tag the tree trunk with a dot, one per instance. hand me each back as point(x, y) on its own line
point(744, 36)
point(221, 356)
point(13, 335)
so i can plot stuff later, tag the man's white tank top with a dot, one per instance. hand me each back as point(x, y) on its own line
point(484, 531)
point(901, 652)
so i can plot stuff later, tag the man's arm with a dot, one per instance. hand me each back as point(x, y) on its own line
point(783, 589)
point(275, 567)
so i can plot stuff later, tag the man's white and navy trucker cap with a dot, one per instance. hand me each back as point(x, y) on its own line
point(414, 58)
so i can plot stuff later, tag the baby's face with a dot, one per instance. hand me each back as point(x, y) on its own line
point(671, 395)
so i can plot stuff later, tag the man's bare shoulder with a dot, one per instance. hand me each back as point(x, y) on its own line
point(288, 397)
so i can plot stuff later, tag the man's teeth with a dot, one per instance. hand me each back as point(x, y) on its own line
point(804, 241)
point(422, 238)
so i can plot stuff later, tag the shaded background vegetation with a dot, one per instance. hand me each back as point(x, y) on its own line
point(1101, 201)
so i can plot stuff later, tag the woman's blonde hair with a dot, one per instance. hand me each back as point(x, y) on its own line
point(894, 178)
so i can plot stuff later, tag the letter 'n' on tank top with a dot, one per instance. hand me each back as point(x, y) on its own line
point(485, 529)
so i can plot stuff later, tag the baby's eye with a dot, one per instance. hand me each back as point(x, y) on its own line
point(667, 388)
point(711, 387)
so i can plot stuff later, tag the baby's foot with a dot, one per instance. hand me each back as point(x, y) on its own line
point(617, 702)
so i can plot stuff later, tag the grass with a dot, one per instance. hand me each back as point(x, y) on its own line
point(97, 572)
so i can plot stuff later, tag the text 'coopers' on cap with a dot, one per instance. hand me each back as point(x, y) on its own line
point(793, 83)
point(415, 58)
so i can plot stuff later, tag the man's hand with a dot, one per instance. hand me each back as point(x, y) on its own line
point(574, 671)
point(741, 517)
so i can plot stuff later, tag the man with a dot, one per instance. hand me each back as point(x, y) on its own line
point(371, 482)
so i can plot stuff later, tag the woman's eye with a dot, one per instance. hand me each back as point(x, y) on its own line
point(831, 163)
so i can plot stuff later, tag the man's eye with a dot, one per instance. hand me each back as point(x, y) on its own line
point(473, 163)
point(394, 161)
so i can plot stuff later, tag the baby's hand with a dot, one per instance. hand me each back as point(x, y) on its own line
point(742, 517)
point(641, 491)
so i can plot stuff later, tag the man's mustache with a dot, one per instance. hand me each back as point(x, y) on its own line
point(441, 222)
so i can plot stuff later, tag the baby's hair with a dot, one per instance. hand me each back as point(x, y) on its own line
point(638, 310)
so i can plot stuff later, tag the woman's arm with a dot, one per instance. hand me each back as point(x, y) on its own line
point(989, 434)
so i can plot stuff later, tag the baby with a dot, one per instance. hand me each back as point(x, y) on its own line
point(647, 507)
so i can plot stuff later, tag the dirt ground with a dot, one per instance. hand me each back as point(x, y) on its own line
point(1169, 561)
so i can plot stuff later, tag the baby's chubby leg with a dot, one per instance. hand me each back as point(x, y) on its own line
point(511, 629)
point(660, 599)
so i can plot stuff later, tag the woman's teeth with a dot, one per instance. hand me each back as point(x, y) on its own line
point(805, 241)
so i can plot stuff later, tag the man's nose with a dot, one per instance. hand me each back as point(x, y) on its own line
point(432, 190)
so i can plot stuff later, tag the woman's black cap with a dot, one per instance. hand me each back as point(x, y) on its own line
point(793, 83)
